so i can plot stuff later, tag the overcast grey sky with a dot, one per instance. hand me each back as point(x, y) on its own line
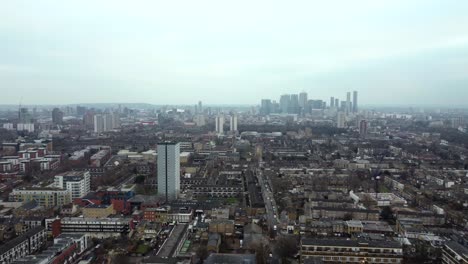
point(233, 52)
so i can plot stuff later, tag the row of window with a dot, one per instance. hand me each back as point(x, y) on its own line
point(361, 259)
point(348, 249)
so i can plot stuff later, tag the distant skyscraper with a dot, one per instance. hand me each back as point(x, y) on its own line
point(57, 116)
point(332, 102)
point(337, 103)
point(303, 100)
point(200, 107)
point(98, 123)
point(456, 122)
point(219, 124)
point(341, 119)
point(343, 106)
point(348, 103)
point(265, 107)
point(115, 120)
point(200, 120)
point(285, 101)
point(104, 122)
point(88, 120)
point(316, 104)
point(363, 128)
point(80, 110)
point(355, 102)
point(294, 107)
point(24, 116)
point(233, 123)
point(107, 122)
point(168, 170)
point(275, 107)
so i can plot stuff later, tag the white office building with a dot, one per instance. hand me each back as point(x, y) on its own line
point(8, 126)
point(115, 120)
point(106, 122)
point(348, 103)
point(169, 170)
point(77, 182)
point(98, 123)
point(219, 124)
point(233, 123)
point(25, 127)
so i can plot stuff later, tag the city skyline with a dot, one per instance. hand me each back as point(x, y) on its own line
point(136, 53)
point(259, 132)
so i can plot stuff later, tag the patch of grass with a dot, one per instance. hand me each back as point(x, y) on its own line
point(383, 189)
point(142, 249)
point(232, 200)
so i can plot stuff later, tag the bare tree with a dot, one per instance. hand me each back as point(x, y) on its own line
point(261, 250)
point(367, 201)
point(286, 247)
point(202, 253)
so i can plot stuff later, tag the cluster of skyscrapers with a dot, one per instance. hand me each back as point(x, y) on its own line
point(301, 104)
point(347, 106)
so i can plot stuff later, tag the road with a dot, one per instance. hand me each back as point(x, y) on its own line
point(268, 197)
point(271, 209)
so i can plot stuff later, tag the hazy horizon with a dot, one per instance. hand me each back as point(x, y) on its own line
point(397, 53)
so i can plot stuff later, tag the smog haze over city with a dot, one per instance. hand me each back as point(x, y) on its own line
point(173, 52)
point(225, 132)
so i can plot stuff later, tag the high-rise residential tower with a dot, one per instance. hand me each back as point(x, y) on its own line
point(303, 100)
point(355, 102)
point(98, 123)
point(24, 116)
point(57, 116)
point(233, 123)
point(219, 124)
point(363, 125)
point(199, 120)
point(265, 107)
point(294, 107)
point(169, 170)
point(348, 103)
point(341, 120)
point(285, 102)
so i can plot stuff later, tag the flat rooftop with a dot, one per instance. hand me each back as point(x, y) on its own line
point(72, 173)
point(350, 243)
point(172, 241)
